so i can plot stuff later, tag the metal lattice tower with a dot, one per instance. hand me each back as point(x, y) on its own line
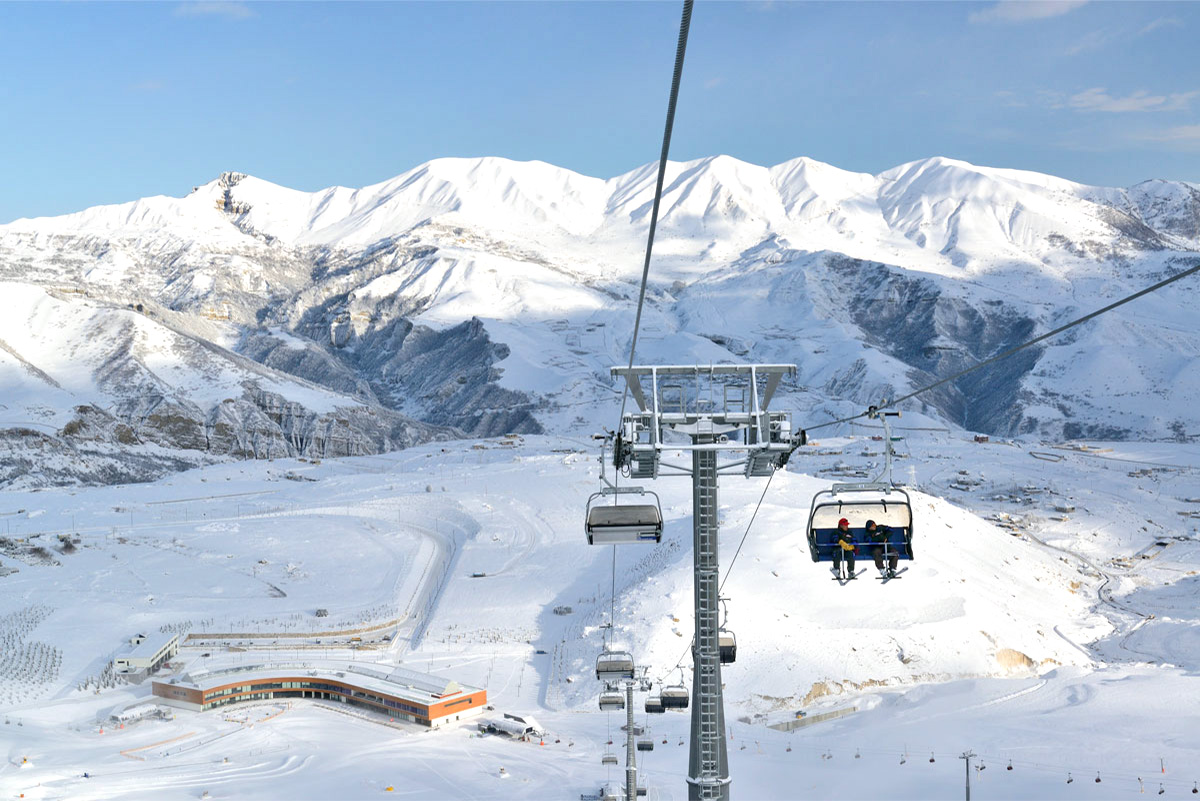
point(708, 759)
point(708, 410)
point(630, 753)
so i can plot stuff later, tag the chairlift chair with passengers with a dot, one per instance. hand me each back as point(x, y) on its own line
point(879, 500)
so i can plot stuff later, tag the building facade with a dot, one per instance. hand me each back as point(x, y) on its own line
point(148, 654)
point(406, 695)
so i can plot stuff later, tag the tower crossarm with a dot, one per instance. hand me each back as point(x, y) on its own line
point(715, 407)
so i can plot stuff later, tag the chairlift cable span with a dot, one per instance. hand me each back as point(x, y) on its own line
point(612, 599)
point(746, 533)
point(1178, 276)
point(729, 568)
point(684, 25)
point(895, 402)
point(680, 49)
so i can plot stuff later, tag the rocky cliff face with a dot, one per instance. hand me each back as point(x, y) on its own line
point(937, 335)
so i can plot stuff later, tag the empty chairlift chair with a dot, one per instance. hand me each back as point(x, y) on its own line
point(654, 705)
point(728, 645)
point(645, 744)
point(614, 666)
point(608, 759)
point(621, 523)
point(611, 701)
point(675, 697)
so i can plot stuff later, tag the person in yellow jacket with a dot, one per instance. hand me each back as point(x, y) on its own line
point(844, 549)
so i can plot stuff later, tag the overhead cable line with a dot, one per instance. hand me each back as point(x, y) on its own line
point(612, 599)
point(733, 561)
point(681, 47)
point(1013, 350)
point(729, 569)
point(985, 363)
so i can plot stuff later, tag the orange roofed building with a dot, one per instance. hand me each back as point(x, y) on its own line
point(397, 692)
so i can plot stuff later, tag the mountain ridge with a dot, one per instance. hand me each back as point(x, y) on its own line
point(433, 183)
point(483, 296)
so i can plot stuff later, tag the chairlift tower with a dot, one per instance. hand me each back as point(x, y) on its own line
point(711, 411)
point(631, 684)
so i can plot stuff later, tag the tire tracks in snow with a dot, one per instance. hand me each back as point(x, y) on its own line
point(1104, 595)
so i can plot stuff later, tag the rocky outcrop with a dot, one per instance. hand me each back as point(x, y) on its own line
point(148, 437)
point(938, 335)
point(30, 459)
point(443, 377)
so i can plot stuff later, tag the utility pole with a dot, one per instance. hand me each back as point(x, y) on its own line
point(967, 757)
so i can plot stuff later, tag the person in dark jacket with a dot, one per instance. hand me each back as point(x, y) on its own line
point(878, 537)
point(844, 548)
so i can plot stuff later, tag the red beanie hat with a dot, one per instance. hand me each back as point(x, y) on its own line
point(843, 522)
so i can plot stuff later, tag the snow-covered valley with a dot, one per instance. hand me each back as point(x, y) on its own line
point(1064, 642)
point(347, 431)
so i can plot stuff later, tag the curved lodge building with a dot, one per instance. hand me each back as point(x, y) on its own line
point(398, 693)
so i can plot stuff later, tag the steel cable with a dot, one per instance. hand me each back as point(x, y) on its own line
point(895, 402)
point(680, 49)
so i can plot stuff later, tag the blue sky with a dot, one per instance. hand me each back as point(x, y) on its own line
point(103, 103)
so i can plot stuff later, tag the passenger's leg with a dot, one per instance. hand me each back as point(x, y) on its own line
point(877, 552)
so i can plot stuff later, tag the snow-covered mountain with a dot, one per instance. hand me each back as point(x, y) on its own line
point(476, 296)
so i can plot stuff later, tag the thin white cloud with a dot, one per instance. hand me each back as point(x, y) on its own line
point(1098, 99)
point(713, 83)
point(1091, 41)
point(1183, 134)
point(1051, 98)
point(214, 9)
point(1024, 10)
point(1161, 22)
point(1009, 99)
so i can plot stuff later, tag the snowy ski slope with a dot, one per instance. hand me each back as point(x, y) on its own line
point(988, 638)
point(1049, 618)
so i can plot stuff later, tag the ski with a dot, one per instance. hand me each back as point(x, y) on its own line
point(896, 575)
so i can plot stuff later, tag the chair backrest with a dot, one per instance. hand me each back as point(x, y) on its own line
point(613, 524)
point(895, 514)
point(828, 508)
point(826, 543)
point(614, 664)
point(624, 515)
